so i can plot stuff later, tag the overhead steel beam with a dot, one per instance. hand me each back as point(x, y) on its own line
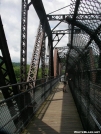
point(67, 31)
point(39, 8)
point(62, 17)
point(74, 18)
point(80, 56)
point(60, 48)
point(77, 3)
point(86, 29)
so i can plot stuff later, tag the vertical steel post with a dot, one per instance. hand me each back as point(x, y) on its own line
point(23, 54)
point(92, 66)
point(55, 63)
point(51, 70)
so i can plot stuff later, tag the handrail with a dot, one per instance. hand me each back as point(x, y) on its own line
point(20, 83)
point(27, 106)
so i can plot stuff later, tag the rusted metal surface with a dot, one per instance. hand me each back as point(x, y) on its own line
point(36, 55)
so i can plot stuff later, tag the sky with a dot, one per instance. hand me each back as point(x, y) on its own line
point(10, 11)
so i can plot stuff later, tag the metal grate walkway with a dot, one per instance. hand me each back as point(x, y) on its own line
point(57, 115)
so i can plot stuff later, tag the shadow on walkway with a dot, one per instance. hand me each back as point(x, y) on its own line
point(57, 115)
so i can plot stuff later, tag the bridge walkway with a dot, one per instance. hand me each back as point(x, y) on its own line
point(57, 115)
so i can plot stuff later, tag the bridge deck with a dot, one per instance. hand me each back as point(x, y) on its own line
point(57, 115)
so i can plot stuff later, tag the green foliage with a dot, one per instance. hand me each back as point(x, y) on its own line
point(17, 71)
point(63, 60)
point(39, 73)
point(16, 64)
point(16, 67)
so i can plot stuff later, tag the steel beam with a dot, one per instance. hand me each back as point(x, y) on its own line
point(7, 75)
point(5, 60)
point(67, 31)
point(55, 62)
point(33, 70)
point(86, 29)
point(62, 17)
point(43, 57)
point(23, 53)
point(51, 69)
point(96, 32)
point(74, 18)
point(39, 8)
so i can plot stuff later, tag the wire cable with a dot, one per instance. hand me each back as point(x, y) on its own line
point(60, 9)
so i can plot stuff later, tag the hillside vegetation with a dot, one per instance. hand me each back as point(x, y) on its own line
point(16, 67)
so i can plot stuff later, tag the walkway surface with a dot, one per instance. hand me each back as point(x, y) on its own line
point(57, 115)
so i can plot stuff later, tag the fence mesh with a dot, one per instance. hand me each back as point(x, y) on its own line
point(28, 103)
point(84, 64)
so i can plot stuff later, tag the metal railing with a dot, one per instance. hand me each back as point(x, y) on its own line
point(14, 119)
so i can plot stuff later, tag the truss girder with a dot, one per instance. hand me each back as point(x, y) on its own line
point(43, 57)
point(36, 55)
point(7, 75)
point(23, 55)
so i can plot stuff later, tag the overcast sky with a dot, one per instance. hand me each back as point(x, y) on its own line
point(11, 16)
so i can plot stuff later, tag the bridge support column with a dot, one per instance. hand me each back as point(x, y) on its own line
point(92, 66)
point(51, 70)
point(56, 63)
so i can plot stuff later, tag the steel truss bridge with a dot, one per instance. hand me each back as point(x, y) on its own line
point(81, 58)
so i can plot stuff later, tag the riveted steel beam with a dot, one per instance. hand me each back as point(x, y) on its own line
point(62, 17)
point(67, 31)
point(43, 57)
point(33, 70)
point(23, 53)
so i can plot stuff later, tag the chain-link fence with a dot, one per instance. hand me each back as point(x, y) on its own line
point(84, 61)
